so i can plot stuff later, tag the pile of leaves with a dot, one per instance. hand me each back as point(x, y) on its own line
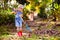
point(48, 32)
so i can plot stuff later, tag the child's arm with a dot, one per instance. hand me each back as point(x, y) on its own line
point(14, 11)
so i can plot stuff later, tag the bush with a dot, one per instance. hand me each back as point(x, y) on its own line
point(42, 13)
point(6, 17)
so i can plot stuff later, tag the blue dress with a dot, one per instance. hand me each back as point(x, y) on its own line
point(18, 19)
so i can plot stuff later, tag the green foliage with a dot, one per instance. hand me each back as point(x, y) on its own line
point(25, 13)
point(32, 8)
point(56, 5)
point(42, 13)
point(3, 30)
point(6, 17)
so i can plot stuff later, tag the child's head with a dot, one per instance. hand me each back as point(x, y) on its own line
point(31, 12)
point(20, 7)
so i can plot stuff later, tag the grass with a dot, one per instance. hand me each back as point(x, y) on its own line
point(34, 37)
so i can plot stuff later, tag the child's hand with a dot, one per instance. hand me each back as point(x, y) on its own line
point(13, 12)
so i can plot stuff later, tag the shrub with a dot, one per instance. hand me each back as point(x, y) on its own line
point(6, 17)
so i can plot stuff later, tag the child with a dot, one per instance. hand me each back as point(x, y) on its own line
point(18, 18)
point(30, 16)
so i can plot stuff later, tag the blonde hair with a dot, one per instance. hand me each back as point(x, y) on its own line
point(20, 6)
